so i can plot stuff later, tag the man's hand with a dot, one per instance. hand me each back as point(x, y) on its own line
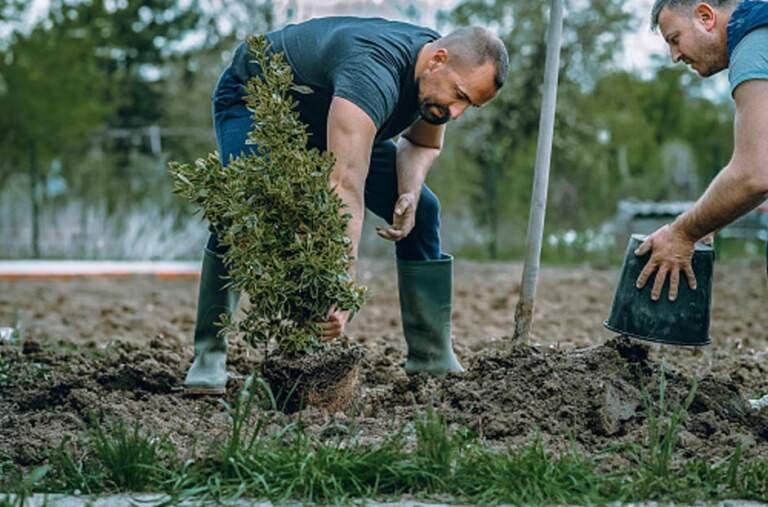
point(334, 326)
point(672, 252)
point(403, 219)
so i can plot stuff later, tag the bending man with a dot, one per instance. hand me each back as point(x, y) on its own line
point(371, 80)
point(711, 36)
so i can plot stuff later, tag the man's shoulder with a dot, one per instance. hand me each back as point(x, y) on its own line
point(750, 58)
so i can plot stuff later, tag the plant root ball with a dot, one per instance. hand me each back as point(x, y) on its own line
point(328, 378)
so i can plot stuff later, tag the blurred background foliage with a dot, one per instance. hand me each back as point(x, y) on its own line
point(96, 96)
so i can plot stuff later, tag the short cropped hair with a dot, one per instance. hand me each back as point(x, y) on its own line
point(659, 6)
point(477, 45)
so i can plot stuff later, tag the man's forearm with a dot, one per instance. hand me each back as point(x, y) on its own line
point(413, 164)
point(353, 199)
point(730, 195)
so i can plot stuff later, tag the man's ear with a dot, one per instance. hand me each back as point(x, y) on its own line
point(438, 59)
point(706, 15)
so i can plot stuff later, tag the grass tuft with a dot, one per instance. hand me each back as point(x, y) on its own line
point(112, 459)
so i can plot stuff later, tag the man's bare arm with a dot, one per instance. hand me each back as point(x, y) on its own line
point(743, 183)
point(741, 186)
point(350, 138)
point(417, 149)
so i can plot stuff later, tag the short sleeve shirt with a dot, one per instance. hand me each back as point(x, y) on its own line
point(368, 61)
point(750, 58)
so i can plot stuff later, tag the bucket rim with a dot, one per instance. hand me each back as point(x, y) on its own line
point(657, 340)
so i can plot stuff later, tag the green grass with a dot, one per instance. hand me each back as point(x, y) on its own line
point(113, 459)
point(428, 460)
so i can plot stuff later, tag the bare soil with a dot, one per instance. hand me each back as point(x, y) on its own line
point(97, 350)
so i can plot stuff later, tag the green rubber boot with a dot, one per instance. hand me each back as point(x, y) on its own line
point(208, 373)
point(426, 294)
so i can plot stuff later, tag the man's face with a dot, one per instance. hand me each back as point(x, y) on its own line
point(446, 91)
point(693, 37)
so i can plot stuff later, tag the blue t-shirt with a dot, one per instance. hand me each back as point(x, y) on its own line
point(368, 61)
point(750, 58)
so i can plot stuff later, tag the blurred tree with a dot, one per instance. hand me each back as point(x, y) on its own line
point(500, 141)
point(612, 125)
point(11, 11)
point(50, 79)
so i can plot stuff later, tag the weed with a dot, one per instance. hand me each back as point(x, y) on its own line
point(132, 461)
point(664, 426)
point(241, 438)
point(527, 475)
point(437, 450)
point(24, 488)
point(117, 458)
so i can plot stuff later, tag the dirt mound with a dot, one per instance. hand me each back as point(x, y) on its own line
point(97, 351)
point(589, 398)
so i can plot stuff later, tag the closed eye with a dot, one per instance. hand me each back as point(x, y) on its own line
point(463, 96)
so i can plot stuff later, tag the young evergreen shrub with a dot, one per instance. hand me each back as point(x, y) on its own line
point(284, 226)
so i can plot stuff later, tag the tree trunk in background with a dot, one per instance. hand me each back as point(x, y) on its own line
point(491, 182)
point(33, 191)
point(83, 228)
point(623, 161)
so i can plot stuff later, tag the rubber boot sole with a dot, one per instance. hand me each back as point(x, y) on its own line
point(204, 391)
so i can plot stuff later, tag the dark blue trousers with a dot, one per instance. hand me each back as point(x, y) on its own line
point(232, 122)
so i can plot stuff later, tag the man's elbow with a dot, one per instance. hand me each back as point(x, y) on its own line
point(756, 180)
point(435, 145)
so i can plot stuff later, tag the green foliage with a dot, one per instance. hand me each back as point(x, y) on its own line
point(49, 80)
point(498, 143)
point(611, 134)
point(11, 11)
point(115, 458)
point(664, 423)
point(282, 223)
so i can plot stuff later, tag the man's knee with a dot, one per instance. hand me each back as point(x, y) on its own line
point(428, 211)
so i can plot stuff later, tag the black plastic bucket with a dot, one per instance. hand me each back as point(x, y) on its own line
point(684, 321)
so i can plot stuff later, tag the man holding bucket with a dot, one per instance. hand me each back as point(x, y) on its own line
point(710, 36)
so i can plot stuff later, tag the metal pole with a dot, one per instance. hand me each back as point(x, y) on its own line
point(524, 310)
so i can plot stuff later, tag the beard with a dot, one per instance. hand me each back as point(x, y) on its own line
point(427, 104)
point(425, 110)
point(712, 59)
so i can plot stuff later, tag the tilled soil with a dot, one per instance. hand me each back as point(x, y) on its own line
point(97, 351)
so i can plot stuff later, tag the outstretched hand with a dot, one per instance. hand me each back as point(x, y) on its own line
point(672, 252)
point(403, 219)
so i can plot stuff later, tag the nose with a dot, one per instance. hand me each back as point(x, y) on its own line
point(457, 110)
point(676, 56)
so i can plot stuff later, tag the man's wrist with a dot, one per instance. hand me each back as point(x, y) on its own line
point(681, 229)
point(415, 194)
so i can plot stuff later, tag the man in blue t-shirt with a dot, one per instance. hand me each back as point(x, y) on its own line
point(371, 80)
point(710, 36)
